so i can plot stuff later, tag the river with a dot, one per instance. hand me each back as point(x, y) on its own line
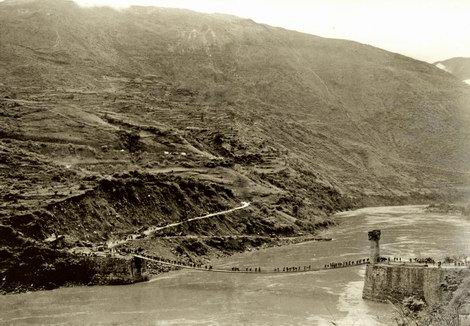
point(201, 298)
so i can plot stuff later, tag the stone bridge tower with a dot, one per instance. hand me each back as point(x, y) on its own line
point(374, 238)
point(138, 268)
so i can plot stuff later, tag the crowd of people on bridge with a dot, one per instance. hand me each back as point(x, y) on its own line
point(293, 269)
point(285, 269)
point(290, 269)
point(348, 263)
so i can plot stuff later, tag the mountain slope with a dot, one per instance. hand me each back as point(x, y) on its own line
point(460, 67)
point(99, 107)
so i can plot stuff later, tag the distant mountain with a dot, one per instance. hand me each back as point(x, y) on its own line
point(459, 67)
point(115, 120)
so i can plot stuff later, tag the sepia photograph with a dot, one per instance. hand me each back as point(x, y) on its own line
point(228, 162)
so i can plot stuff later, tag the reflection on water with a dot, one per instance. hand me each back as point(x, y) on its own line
point(201, 298)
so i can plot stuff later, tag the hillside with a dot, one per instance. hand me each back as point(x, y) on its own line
point(113, 121)
point(460, 67)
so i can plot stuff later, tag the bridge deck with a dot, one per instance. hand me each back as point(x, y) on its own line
point(277, 270)
point(266, 271)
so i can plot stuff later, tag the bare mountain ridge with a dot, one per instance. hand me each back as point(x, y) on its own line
point(99, 107)
point(328, 82)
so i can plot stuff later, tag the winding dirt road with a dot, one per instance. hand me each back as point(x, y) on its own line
point(154, 229)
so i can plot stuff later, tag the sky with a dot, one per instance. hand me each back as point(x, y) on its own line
point(429, 30)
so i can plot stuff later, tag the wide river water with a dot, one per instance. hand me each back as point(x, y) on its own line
point(201, 298)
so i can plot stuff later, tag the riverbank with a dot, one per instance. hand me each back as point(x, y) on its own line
point(67, 271)
point(49, 269)
point(450, 308)
point(450, 208)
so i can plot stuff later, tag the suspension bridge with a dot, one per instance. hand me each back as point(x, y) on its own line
point(374, 258)
point(253, 270)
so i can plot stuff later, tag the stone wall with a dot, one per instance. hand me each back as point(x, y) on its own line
point(41, 268)
point(392, 282)
point(464, 314)
point(111, 270)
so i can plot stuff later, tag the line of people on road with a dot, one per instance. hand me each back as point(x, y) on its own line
point(427, 261)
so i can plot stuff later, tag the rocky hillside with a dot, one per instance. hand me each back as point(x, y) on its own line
point(113, 121)
point(460, 67)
